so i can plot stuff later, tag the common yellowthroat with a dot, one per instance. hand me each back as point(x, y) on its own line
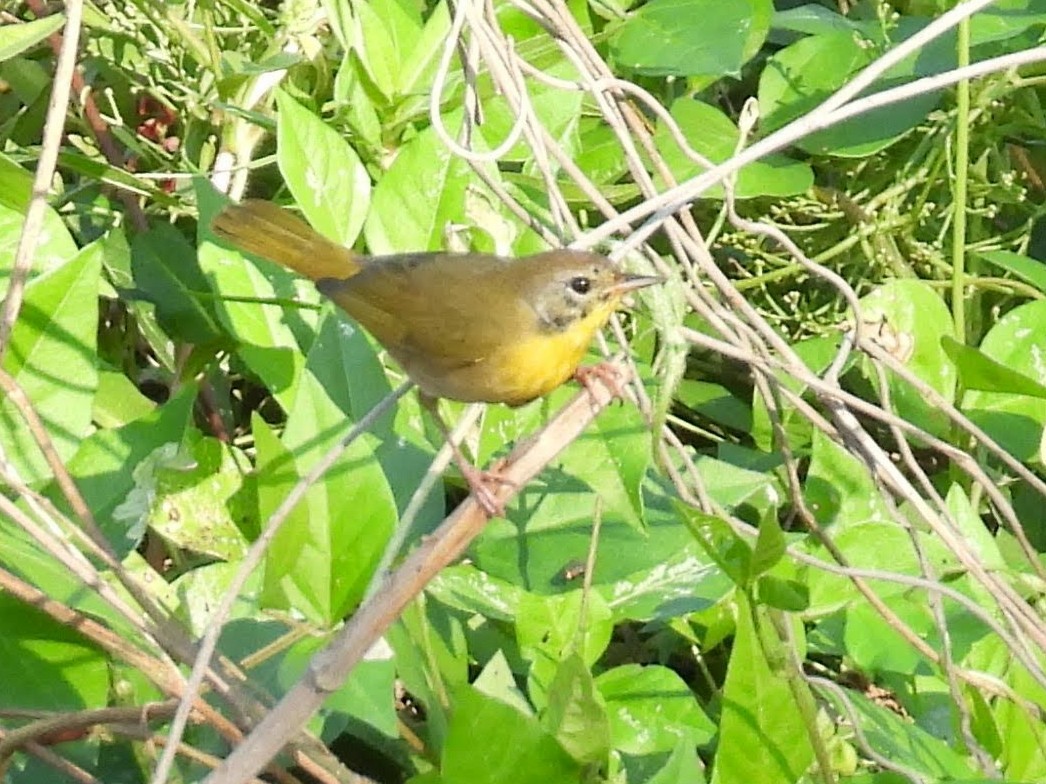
point(471, 327)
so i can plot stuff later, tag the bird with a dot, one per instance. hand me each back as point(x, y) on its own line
point(471, 327)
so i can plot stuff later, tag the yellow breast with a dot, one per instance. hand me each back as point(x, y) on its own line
point(532, 366)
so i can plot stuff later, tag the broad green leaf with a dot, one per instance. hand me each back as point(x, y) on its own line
point(467, 588)
point(558, 112)
point(167, 273)
point(651, 708)
point(975, 533)
point(550, 628)
point(55, 246)
point(1016, 421)
point(51, 355)
point(908, 319)
point(682, 766)
point(878, 545)
point(738, 488)
point(364, 697)
point(59, 670)
point(489, 742)
point(118, 401)
point(897, 738)
point(16, 38)
point(326, 557)
point(1029, 270)
point(199, 590)
point(599, 152)
point(839, 489)
point(761, 734)
point(420, 196)
point(103, 465)
point(418, 64)
point(684, 582)
point(388, 32)
point(576, 714)
point(549, 528)
point(26, 559)
point(716, 403)
point(713, 135)
point(1021, 758)
point(691, 37)
point(804, 74)
point(498, 681)
point(769, 548)
point(191, 496)
point(796, 78)
point(323, 172)
point(979, 372)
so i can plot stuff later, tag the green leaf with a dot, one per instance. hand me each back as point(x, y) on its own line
point(189, 495)
point(466, 588)
point(898, 738)
point(683, 582)
point(323, 172)
point(682, 766)
point(549, 527)
point(876, 545)
point(51, 355)
point(550, 628)
point(498, 681)
point(103, 465)
point(839, 489)
point(713, 135)
point(1029, 270)
point(1016, 421)
point(716, 403)
point(761, 734)
point(55, 246)
point(489, 742)
point(166, 271)
point(908, 319)
point(980, 372)
point(421, 194)
point(325, 557)
point(60, 670)
point(691, 37)
point(651, 709)
point(118, 401)
point(770, 546)
point(802, 75)
point(17, 38)
point(388, 32)
point(576, 714)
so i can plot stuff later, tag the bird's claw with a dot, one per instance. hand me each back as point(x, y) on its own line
point(482, 485)
point(606, 373)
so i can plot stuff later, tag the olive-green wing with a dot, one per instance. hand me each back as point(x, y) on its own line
point(452, 310)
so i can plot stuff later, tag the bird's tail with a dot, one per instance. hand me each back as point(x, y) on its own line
point(263, 229)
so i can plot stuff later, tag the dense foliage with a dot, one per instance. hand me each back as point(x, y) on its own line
point(809, 550)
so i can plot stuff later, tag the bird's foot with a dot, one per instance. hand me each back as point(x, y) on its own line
point(483, 486)
point(606, 373)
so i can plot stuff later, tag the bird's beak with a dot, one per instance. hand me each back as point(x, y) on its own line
point(626, 283)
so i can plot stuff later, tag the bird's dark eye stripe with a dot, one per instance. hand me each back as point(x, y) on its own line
point(580, 284)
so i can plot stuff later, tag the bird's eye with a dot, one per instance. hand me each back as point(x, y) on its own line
point(580, 284)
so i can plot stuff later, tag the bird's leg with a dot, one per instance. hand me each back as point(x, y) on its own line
point(605, 372)
point(481, 484)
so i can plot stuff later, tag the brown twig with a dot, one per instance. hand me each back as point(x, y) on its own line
point(45, 167)
point(329, 668)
